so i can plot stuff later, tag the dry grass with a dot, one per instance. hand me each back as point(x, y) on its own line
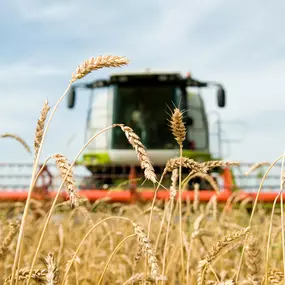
point(93, 243)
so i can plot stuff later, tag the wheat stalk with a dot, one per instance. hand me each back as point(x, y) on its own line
point(63, 166)
point(52, 275)
point(98, 62)
point(142, 155)
point(17, 138)
point(40, 127)
point(179, 131)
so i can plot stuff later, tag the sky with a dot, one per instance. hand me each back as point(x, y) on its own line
point(237, 43)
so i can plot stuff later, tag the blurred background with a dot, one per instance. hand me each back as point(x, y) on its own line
point(237, 43)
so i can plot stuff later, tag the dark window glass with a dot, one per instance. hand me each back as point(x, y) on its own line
point(146, 109)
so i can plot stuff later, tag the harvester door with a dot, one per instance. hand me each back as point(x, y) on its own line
point(198, 131)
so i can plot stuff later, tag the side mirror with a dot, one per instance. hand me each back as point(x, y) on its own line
point(71, 96)
point(221, 97)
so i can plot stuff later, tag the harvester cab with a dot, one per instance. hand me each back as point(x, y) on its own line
point(142, 102)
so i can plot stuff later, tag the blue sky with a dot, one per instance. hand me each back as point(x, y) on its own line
point(238, 43)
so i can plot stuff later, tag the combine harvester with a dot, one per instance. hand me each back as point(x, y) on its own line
point(142, 102)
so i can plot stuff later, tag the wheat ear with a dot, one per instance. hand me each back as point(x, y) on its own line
point(208, 178)
point(23, 274)
point(147, 249)
point(52, 275)
point(17, 138)
point(40, 127)
point(142, 155)
point(225, 241)
point(177, 126)
point(209, 165)
point(215, 251)
point(98, 62)
point(253, 261)
point(185, 162)
point(138, 255)
point(7, 241)
point(63, 166)
point(275, 276)
point(139, 277)
point(256, 166)
point(227, 282)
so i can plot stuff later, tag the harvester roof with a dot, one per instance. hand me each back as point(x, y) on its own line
point(148, 77)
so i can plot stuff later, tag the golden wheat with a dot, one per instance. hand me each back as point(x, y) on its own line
point(52, 275)
point(177, 126)
point(224, 242)
point(186, 162)
point(256, 166)
point(209, 165)
point(275, 276)
point(148, 250)
point(40, 127)
point(138, 278)
point(253, 261)
point(215, 251)
point(138, 254)
point(17, 138)
point(208, 178)
point(98, 62)
point(38, 275)
point(63, 166)
point(7, 241)
point(142, 155)
point(196, 197)
point(173, 187)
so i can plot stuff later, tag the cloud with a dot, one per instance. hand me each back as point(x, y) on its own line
point(237, 45)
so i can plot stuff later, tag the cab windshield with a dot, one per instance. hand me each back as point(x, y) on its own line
point(146, 110)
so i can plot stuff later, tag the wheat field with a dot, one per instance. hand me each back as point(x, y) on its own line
point(162, 242)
